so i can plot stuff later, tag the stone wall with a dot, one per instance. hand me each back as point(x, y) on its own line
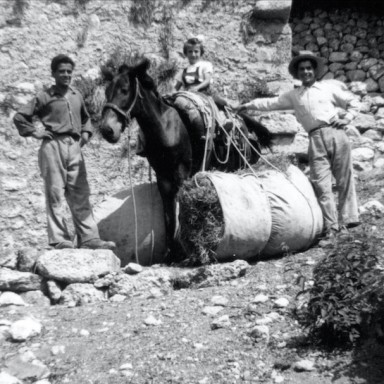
point(351, 43)
point(245, 40)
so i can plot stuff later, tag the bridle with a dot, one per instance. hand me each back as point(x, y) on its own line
point(126, 116)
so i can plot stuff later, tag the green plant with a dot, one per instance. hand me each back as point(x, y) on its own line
point(253, 89)
point(340, 305)
point(82, 36)
point(19, 7)
point(166, 36)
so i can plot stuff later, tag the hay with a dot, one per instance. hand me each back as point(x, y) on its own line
point(278, 162)
point(201, 220)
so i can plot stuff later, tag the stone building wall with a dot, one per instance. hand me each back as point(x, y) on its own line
point(245, 40)
point(351, 43)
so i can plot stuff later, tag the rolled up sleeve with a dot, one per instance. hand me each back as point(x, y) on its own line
point(271, 104)
point(23, 118)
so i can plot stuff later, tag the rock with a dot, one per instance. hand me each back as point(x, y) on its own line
point(381, 84)
point(357, 75)
point(6, 378)
point(84, 333)
point(280, 123)
point(81, 294)
point(364, 122)
point(118, 298)
point(16, 281)
point(210, 275)
point(133, 269)
point(27, 367)
point(219, 301)
point(281, 302)
point(105, 281)
point(128, 285)
point(260, 332)
point(363, 154)
point(36, 298)
point(373, 207)
point(151, 320)
point(339, 57)
point(8, 258)
point(11, 298)
point(26, 259)
point(58, 349)
point(373, 135)
point(54, 290)
point(304, 365)
point(263, 321)
point(221, 322)
point(372, 85)
point(365, 64)
point(24, 329)
point(260, 299)
point(77, 265)
point(211, 311)
point(379, 163)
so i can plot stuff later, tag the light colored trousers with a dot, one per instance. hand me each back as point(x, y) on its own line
point(63, 170)
point(330, 154)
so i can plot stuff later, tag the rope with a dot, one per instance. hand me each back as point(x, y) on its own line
point(133, 196)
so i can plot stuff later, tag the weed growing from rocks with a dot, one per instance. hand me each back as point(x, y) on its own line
point(141, 12)
point(347, 297)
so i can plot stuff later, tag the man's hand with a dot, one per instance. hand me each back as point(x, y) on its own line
point(194, 89)
point(340, 123)
point(240, 108)
point(45, 135)
point(84, 138)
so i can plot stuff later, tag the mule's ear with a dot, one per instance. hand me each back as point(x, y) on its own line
point(142, 68)
point(123, 69)
point(106, 73)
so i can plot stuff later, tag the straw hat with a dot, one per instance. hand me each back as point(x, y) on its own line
point(306, 55)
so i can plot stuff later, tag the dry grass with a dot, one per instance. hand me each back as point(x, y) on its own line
point(201, 220)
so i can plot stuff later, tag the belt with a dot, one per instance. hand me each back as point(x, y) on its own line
point(325, 125)
point(64, 134)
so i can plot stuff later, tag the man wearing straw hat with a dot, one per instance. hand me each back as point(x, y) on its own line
point(329, 150)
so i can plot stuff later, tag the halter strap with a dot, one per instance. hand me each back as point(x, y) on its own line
point(125, 115)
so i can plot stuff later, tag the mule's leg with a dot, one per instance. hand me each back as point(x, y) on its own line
point(168, 196)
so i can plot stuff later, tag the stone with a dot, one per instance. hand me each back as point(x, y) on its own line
point(373, 135)
point(11, 298)
point(279, 123)
point(151, 320)
point(356, 56)
point(381, 84)
point(16, 281)
point(221, 322)
point(363, 122)
point(54, 290)
point(260, 332)
point(373, 208)
point(8, 258)
point(365, 64)
point(118, 298)
point(77, 265)
point(281, 302)
point(105, 281)
point(26, 259)
point(36, 298)
point(81, 294)
point(6, 378)
point(260, 298)
point(219, 301)
point(379, 163)
point(210, 275)
point(24, 329)
point(212, 310)
point(335, 66)
point(376, 71)
point(372, 85)
point(304, 365)
point(357, 75)
point(363, 154)
point(338, 57)
point(363, 166)
point(27, 367)
point(270, 9)
point(133, 268)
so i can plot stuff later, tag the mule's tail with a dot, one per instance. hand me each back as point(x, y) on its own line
point(261, 131)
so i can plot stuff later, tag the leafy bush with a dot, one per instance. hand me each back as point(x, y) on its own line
point(348, 292)
point(141, 11)
point(254, 89)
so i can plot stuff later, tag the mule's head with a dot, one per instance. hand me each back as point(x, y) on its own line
point(121, 97)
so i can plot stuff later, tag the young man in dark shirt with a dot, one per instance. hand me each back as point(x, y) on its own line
point(67, 125)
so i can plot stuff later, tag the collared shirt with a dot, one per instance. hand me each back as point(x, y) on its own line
point(60, 114)
point(195, 73)
point(314, 106)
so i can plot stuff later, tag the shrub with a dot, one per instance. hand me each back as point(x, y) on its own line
point(347, 295)
point(141, 11)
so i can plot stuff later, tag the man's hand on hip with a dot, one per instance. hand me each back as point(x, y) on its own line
point(45, 135)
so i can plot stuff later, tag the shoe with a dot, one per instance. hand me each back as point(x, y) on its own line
point(98, 244)
point(352, 224)
point(64, 245)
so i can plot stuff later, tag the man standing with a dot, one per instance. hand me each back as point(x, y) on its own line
point(329, 149)
point(62, 111)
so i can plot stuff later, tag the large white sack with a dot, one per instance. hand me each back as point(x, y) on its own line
point(116, 222)
point(297, 219)
point(247, 215)
point(267, 214)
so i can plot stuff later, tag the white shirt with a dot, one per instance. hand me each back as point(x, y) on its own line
point(203, 68)
point(314, 105)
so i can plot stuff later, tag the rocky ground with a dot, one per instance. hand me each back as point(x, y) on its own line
point(232, 324)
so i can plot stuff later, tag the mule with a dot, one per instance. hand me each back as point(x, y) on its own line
point(173, 148)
